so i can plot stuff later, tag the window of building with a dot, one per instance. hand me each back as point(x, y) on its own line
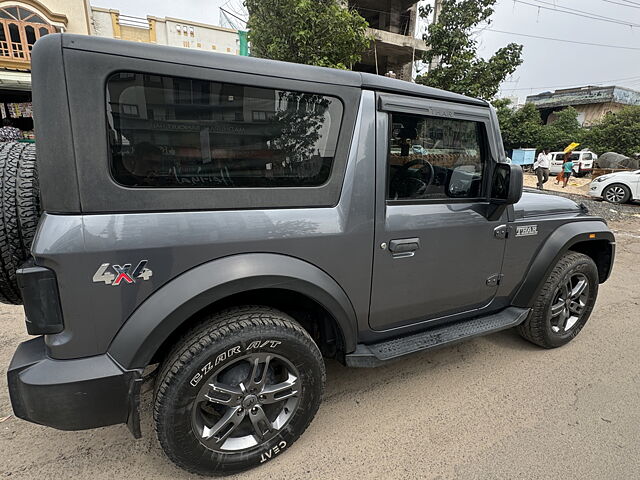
point(19, 30)
point(433, 158)
point(195, 133)
point(130, 110)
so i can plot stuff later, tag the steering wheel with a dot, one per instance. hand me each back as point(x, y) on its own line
point(407, 184)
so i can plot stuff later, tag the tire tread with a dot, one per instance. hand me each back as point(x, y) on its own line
point(212, 329)
point(534, 327)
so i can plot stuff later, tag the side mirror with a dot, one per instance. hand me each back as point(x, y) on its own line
point(506, 185)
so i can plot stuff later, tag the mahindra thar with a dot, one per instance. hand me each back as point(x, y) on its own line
point(227, 223)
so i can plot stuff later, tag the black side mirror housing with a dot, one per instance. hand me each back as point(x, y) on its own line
point(506, 184)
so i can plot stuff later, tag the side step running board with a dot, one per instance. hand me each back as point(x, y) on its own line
point(378, 353)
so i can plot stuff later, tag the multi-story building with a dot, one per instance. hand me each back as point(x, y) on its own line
point(21, 24)
point(592, 103)
point(393, 26)
point(167, 31)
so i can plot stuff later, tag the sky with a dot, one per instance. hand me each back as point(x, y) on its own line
point(547, 65)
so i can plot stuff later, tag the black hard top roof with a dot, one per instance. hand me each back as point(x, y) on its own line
point(260, 66)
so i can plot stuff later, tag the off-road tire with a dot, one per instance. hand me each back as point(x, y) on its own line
point(537, 327)
point(213, 345)
point(626, 196)
point(20, 213)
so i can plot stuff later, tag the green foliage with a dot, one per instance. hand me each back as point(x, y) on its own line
point(616, 132)
point(313, 32)
point(523, 128)
point(564, 130)
point(454, 50)
point(520, 128)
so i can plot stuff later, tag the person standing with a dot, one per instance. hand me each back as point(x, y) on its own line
point(541, 166)
point(8, 132)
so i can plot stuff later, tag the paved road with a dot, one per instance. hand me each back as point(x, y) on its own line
point(495, 407)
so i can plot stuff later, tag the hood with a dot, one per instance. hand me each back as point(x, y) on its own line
point(534, 204)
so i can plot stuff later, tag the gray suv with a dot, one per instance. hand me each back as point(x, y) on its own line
point(224, 224)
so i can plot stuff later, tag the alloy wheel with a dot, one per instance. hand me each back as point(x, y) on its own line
point(569, 302)
point(246, 403)
point(615, 194)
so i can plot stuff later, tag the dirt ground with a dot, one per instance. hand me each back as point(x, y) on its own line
point(576, 185)
point(492, 408)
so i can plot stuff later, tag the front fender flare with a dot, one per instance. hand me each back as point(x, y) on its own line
point(157, 318)
point(558, 243)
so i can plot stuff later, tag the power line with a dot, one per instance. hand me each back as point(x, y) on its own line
point(575, 10)
point(562, 40)
point(633, 5)
point(580, 14)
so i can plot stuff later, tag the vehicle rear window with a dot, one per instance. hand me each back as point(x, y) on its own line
point(179, 132)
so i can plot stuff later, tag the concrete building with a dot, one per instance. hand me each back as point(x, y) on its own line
point(166, 31)
point(592, 103)
point(21, 24)
point(393, 25)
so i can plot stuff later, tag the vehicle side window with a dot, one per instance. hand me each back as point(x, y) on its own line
point(434, 158)
point(179, 132)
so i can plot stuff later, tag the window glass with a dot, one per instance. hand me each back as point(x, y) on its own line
point(435, 158)
point(14, 31)
point(31, 34)
point(178, 132)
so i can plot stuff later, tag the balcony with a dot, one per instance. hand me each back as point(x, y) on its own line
point(19, 30)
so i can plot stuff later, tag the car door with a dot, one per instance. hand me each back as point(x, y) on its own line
point(438, 252)
point(556, 163)
point(633, 180)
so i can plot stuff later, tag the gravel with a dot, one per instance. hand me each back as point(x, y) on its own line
point(600, 208)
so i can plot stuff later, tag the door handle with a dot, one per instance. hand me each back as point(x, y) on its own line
point(404, 245)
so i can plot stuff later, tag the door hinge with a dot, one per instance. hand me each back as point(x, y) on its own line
point(500, 232)
point(494, 280)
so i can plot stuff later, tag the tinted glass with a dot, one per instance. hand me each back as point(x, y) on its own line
point(435, 158)
point(178, 132)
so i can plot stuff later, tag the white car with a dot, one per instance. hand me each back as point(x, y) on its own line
point(582, 162)
point(619, 187)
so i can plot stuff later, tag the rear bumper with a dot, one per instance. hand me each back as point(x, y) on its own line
point(71, 394)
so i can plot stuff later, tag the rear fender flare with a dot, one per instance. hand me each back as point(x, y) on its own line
point(158, 317)
point(558, 243)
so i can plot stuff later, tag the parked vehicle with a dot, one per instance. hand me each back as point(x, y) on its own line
point(233, 221)
point(618, 187)
point(582, 162)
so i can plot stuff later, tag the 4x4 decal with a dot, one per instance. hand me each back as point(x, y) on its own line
point(122, 273)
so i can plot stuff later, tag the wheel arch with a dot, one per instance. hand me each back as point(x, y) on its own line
point(592, 238)
point(280, 281)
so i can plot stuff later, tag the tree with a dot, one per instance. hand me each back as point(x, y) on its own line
point(523, 128)
point(565, 129)
point(313, 32)
point(616, 132)
point(453, 51)
point(520, 128)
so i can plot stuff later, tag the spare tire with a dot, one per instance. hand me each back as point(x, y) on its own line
point(20, 213)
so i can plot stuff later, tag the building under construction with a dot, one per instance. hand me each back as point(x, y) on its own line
point(393, 25)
